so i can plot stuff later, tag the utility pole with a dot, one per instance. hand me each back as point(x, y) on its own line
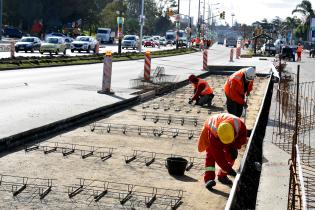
point(141, 25)
point(198, 22)
point(232, 19)
point(189, 21)
point(177, 32)
point(1, 8)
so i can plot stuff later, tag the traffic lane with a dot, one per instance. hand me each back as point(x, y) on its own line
point(35, 97)
point(103, 49)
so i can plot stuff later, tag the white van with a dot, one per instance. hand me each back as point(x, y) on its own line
point(104, 35)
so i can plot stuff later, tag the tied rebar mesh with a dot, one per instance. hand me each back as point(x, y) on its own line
point(294, 126)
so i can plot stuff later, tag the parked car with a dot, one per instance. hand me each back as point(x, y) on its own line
point(53, 45)
point(149, 43)
point(28, 44)
point(163, 41)
point(84, 43)
point(268, 49)
point(130, 41)
point(68, 41)
point(12, 32)
point(287, 53)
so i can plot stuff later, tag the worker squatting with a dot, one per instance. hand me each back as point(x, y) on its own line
point(223, 134)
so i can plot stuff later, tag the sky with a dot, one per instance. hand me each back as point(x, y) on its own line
point(245, 11)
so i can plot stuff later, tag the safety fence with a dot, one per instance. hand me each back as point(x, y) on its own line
point(293, 131)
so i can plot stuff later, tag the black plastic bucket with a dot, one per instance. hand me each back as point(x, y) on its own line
point(176, 165)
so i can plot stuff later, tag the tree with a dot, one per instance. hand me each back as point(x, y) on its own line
point(305, 8)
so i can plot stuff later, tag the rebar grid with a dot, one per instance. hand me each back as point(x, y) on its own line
point(155, 131)
point(84, 151)
point(96, 191)
point(26, 188)
point(149, 158)
point(169, 118)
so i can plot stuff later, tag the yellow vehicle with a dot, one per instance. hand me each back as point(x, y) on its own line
point(53, 45)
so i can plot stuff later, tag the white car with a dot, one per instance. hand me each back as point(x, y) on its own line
point(84, 43)
point(130, 41)
point(163, 41)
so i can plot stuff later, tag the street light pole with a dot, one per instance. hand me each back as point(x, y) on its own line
point(141, 25)
point(1, 19)
point(177, 32)
point(198, 22)
point(189, 21)
point(232, 19)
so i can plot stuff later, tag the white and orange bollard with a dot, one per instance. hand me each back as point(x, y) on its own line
point(147, 66)
point(97, 48)
point(205, 60)
point(107, 74)
point(238, 52)
point(12, 50)
point(231, 55)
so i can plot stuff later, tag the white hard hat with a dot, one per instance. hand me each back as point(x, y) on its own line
point(250, 73)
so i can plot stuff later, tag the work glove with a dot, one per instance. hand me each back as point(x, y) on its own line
point(232, 172)
point(233, 153)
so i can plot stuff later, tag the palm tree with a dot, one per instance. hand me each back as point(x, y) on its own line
point(305, 8)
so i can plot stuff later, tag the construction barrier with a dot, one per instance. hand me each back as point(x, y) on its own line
point(231, 55)
point(147, 66)
point(97, 48)
point(107, 74)
point(205, 60)
point(238, 52)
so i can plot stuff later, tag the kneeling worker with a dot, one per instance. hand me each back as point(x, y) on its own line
point(236, 87)
point(203, 93)
point(221, 137)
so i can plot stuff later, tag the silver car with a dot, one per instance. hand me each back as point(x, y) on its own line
point(130, 41)
point(84, 43)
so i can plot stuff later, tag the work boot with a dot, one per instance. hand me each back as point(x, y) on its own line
point(210, 184)
point(225, 180)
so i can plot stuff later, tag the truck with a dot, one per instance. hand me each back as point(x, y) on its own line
point(105, 35)
point(231, 41)
point(170, 37)
point(221, 39)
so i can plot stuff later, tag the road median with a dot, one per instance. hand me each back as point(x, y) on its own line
point(39, 62)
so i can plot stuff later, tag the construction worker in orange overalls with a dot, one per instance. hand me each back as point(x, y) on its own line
point(221, 137)
point(237, 86)
point(203, 93)
point(299, 51)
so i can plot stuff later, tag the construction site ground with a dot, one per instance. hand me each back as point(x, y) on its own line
point(144, 136)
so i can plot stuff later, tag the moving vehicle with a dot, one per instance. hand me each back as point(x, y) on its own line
point(163, 41)
point(84, 43)
point(105, 35)
point(221, 39)
point(231, 41)
point(170, 37)
point(149, 42)
point(28, 44)
point(145, 38)
point(268, 48)
point(12, 32)
point(130, 41)
point(287, 53)
point(53, 45)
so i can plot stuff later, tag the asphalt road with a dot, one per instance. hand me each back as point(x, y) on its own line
point(34, 97)
point(103, 49)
